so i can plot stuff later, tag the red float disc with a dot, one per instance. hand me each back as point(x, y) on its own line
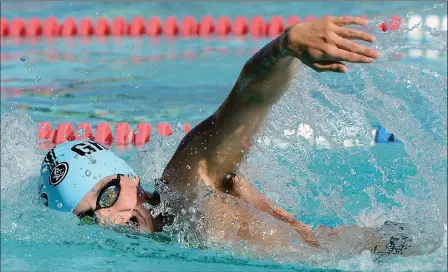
point(4, 27)
point(17, 28)
point(206, 26)
point(188, 26)
point(102, 27)
point(123, 133)
point(275, 27)
point(64, 133)
point(103, 133)
point(43, 132)
point(154, 26)
point(240, 26)
point(119, 27)
point(292, 20)
point(164, 129)
point(85, 27)
point(137, 26)
point(142, 134)
point(84, 131)
point(257, 26)
point(51, 27)
point(223, 26)
point(68, 27)
point(34, 28)
point(187, 127)
point(395, 22)
point(171, 28)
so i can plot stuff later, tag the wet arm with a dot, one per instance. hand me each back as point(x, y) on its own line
point(241, 188)
point(217, 145)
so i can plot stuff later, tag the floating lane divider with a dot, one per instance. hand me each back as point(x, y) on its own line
point(188, 26)
point(125, 136)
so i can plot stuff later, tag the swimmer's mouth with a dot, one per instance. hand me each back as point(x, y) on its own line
point(133, 223)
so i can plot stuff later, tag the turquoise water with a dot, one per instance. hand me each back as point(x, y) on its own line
point(182, 80)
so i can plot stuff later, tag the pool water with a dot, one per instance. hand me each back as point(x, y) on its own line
point(185, 80)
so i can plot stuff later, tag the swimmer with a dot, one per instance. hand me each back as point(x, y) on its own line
point(88, 180)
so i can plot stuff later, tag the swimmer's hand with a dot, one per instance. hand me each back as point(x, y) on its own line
point(323, 43)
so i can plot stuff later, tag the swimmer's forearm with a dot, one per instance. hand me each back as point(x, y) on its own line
point(248, 193)
point(268, 73)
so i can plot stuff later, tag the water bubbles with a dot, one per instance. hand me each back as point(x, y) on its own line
point(93, 190)
point(81, 132)
point(38, 78)
point(136, 132)
point(87, 173)
point(59, 205)
point(353, 171)
point(23, 58)
point(183, 211)
point(188, 167)
point(137, 86)
point(148, 206)
point(192, 210)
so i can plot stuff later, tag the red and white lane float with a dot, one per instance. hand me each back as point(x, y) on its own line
point(124, 136)
point(188, 26)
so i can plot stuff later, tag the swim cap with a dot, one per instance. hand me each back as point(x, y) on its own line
point(70, 170)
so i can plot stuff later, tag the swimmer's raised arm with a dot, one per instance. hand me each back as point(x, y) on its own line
point(216, 146)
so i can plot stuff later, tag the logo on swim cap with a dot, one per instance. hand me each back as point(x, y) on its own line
point(70, 170)
point(58, 173)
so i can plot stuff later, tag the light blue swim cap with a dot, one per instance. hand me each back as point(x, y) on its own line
point(70, 170)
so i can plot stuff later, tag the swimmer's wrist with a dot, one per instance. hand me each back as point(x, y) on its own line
point(290, 42)
point(284, 44)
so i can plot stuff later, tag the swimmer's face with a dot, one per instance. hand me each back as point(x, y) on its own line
point(118, 200)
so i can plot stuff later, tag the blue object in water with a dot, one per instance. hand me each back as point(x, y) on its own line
point(384, 137)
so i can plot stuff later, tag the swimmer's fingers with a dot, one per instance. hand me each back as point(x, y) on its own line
point(332, 66)
point(356, 48)
point(349, 20)
point(345, 55)
point(353, 34)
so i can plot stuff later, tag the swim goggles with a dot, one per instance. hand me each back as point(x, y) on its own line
point(107, 197)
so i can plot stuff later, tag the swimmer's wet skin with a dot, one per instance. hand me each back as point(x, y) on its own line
point(90, 181)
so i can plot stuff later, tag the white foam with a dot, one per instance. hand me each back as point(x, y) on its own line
point(415, 21)
point(321, 142)
point(305, 131)
point(416, 53)
point(20, 158)
point(432, 54)
point(444, 23)
point(432, 21)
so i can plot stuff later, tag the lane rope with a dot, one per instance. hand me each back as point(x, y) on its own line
point(124, 136)
point(189, 26)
